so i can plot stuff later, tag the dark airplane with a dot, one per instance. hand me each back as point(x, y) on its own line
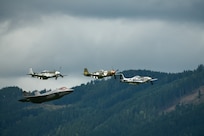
point(100, 74)
point(45, 95)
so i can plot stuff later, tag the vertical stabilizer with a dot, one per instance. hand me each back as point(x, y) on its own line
point(122, 76)
point(36, 93)
point(86, 72)
point(31, 71)
point(26, 93)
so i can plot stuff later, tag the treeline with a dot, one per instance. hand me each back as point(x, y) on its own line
point(108, 107)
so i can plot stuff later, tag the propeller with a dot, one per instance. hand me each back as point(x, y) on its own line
point(114, 72)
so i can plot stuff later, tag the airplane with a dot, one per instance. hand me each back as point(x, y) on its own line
point(100, 74)
point(137, 79)
point(45, 74)
point(45, 95)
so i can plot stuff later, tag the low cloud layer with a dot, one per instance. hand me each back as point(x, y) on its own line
point(165, 36)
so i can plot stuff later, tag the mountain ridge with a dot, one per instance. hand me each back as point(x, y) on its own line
point(108, 107)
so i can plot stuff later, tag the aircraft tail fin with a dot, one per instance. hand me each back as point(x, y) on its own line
point(122, 76)
point(86, 72)
point(31, 71)
point(36, 93)
point(26, 93)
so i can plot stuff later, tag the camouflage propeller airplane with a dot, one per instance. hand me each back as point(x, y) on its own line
point(100, 74)
point(45, 95)
point(137, 79)
point(45, 74)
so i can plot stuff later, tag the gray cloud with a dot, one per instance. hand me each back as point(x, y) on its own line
point(187, 10)
point(156, 35)
point(68, 40)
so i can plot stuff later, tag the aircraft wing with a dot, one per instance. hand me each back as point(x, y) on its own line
point(35, 99)
point(153, 79)
point(100, 74)
point(134, 83)
point(95, 74)
point(39, 76)
point(24, 100)
point(137, 81)
point(42, 76)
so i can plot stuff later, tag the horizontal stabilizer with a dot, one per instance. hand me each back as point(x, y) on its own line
point(153, 79)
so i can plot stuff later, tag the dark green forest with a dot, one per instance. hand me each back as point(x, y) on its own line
point(110, 108)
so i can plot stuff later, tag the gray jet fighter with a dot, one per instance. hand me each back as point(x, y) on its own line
point(45, 95)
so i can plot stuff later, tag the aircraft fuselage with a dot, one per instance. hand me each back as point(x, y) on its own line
point(48, 96)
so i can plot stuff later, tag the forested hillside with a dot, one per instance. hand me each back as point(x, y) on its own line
point(108, 107)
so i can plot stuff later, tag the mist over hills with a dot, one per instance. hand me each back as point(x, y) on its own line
point(174, 105)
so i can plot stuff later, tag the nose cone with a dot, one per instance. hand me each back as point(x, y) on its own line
point(113, 72)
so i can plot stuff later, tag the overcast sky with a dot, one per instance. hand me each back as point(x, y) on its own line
point(157, 35)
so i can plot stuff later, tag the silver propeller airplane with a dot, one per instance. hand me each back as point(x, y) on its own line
point(45, 74)
point(137, 79)
point(45, 95)
point(100, 74)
